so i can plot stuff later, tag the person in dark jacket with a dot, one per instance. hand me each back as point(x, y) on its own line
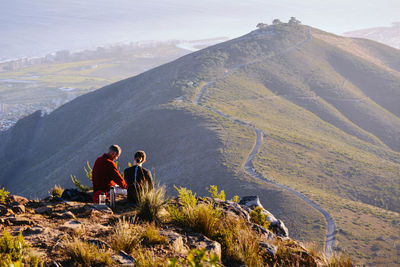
point(137, 177)
point(105, 173)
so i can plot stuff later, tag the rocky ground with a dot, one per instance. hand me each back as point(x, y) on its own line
point(52, 224)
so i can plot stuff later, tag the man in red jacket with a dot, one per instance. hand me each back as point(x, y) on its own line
point(105, 173)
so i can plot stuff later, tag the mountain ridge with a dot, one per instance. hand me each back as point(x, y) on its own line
point(284, 95)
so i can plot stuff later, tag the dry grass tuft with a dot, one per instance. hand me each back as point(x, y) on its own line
point(56, 191)
point(151, 235)
point(150, 204)
point(338, 260)
point(85, 254)
point(126, 235)
point(240, 244)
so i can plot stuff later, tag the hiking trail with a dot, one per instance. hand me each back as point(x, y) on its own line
point(248, 166)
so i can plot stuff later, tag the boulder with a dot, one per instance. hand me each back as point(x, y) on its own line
point(13, 199)
point(279, 228)
point(99, 243)
point(254, 201)
point(73, 225)
point(268, 248)
point(3, 210)
point(34, 230)
point(65, 215)
point(266, 234)
point(250, 201)
point(124, 259)
point(198, 241)
point(19, 208)
point(102, 208)
point(175, 241)
point(13, 220)
point(43, 210)
point(75, 195)
point(230, 207)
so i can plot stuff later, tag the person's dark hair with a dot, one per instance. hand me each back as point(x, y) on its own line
point(115, 148)
point(140, 156)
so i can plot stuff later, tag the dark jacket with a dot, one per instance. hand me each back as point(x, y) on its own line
point(105, 174)
point(143, 179)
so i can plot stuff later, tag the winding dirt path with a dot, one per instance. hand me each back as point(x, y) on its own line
point(248, 166)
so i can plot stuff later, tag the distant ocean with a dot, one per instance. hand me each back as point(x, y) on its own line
point(30, 28)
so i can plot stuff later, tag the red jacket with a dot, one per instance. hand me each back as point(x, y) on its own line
point(105, 174)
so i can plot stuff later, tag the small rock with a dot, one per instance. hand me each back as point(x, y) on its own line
point(102, 208)
point(18, 208)
point(34, 230)
point(75, 195)
point(67, 215)
point(12, 220)
point(198, 241)
point(124, 259)
point(251, 201)
point(232, 208)
point(55, 264)
point(10, 212)
point(99, 243)
point(381, 238)
point(17, 199)
point(269, 248)
point(279, 228)
point(43, 210)
point(71, 225)
point(265, 233)
point(3, 210)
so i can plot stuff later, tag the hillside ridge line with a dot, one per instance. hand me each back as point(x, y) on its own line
point(248, 166)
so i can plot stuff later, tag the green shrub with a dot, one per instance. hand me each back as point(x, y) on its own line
point(238, 241)
point(202, 218)
point(256, 216)
point(235, 199)
point(186, 196)
point(79, 186)
point(196, 258)
point(15, 252)
point(14, 247)
point(214, 193)
point(3, 195)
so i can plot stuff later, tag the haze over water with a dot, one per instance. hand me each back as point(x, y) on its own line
point(35, 28)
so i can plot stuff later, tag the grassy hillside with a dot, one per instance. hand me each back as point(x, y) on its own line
point(329, 119)
point(355, 180)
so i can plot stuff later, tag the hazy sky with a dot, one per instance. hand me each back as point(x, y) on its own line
point(33, 27)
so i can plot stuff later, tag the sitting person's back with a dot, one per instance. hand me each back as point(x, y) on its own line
point(137, 177)
point(105, 173)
